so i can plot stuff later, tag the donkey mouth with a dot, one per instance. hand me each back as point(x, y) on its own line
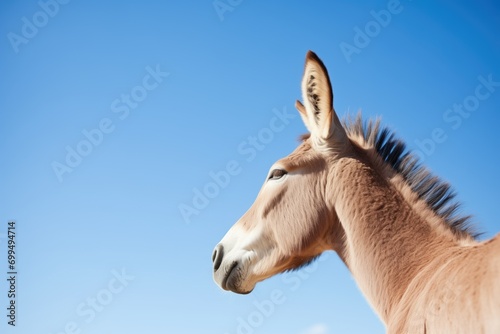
point(232, 279)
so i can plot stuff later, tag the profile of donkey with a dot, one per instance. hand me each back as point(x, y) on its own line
point(353, 188)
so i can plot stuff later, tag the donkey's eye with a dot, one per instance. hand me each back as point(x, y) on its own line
point(277, 174)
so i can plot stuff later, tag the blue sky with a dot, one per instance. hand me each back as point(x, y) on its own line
point(158, 96)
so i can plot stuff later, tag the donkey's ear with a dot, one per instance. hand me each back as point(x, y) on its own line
point(303, 114)
point(317, 112)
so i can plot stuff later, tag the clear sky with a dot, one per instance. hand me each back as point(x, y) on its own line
point(115, 115)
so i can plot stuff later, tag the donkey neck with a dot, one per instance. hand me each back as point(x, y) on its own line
point(386, 242)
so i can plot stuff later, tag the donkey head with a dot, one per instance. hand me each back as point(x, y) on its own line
point(292, 220)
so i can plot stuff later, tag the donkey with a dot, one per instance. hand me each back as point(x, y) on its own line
point(353, 188)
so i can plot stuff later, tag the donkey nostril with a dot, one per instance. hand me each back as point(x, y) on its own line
point(217, 256)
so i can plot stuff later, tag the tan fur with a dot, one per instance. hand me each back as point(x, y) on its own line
point(419, 273)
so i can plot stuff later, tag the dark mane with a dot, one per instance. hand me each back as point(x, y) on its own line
point(435, 192)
